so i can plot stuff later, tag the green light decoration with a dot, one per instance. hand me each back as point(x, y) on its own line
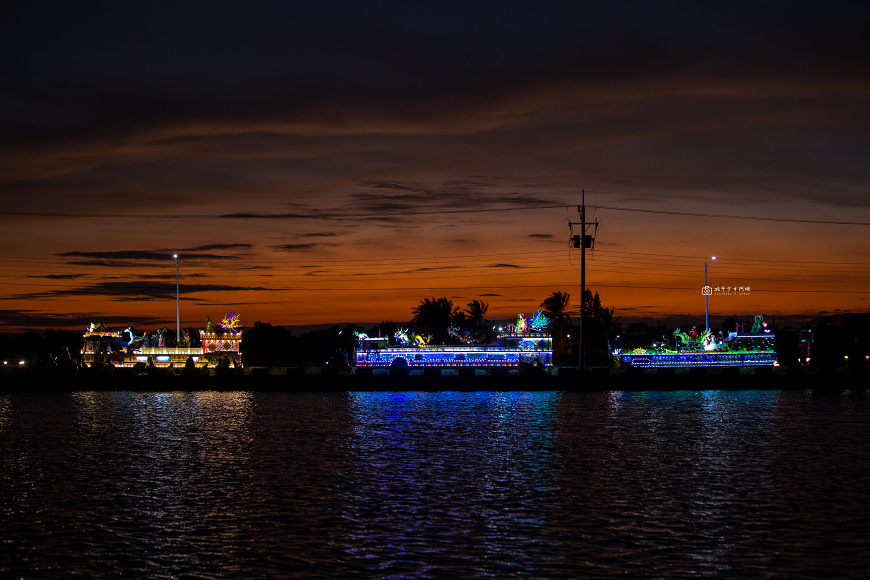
point(231, 322)
point(759, 325)
point(539, 321)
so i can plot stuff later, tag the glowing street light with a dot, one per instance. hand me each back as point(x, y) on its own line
point(177, 310)
point(707, 292)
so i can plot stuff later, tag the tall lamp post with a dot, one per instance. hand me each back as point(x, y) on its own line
point(706, 292)
point(177, 310)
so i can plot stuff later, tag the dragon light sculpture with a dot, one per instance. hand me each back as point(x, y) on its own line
point(415, 340)
point(461, 335)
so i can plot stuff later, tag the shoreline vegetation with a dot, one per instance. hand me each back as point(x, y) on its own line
point(317, 380)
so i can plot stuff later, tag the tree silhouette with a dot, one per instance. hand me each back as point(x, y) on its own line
point(600, 328)
point(556, 306)
point(475, 312)
point(434, 316)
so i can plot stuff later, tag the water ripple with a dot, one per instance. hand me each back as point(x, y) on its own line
point(741, 484)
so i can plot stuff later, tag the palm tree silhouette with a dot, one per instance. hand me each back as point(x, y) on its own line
point(434, 316)
point(556, 306)
point(475, 312)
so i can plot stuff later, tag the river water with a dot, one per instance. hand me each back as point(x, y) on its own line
point(730, 484)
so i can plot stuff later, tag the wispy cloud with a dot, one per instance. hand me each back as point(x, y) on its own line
point(141, 290)
point(315, 235)
point(295, 247)
point(214, 247)
point(61, 276)
point(170, 276)
point(41, 319)
point(393, 202)
point(143, 255)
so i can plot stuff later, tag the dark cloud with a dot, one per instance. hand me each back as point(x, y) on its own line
point(118, 258)
point(38, 319)
point(316, 235)
point(119, 255)
point(295, 247)
point(215, 247)
point(170, 276)
point(117, 264)
point(406, 199)
point(61, 276)
point(139, 66)
point(427, 269)
point(283, 216)
point(140, 290)
point(411, 198)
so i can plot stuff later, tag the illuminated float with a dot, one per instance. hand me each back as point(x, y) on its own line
point(125, 349)
point(692, 349)
point(525, 343)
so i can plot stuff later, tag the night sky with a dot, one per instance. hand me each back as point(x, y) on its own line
point(338, 162)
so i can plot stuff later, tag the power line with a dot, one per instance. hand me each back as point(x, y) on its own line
point(333, 215)
point(317, 262)
point(708, 199)
point(733, 217)
point(736, 260)
point(326, 215)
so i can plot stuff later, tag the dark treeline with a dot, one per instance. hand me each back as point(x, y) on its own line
point(266, 345)
point(47, 347)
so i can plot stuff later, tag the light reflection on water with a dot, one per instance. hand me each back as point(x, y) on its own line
point(463, 488)
point(545, 484)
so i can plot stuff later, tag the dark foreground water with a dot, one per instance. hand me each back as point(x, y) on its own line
point(746, 484)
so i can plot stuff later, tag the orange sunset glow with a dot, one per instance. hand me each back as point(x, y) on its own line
point(343, 170)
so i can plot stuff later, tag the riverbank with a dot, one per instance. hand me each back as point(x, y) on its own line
point(566, 379)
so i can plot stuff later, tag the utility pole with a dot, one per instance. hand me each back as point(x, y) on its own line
point(177, 309)
point(582, 241)
point(581, 343)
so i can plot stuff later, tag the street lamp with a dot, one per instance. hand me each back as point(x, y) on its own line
point(706, 292)
point(177, 310)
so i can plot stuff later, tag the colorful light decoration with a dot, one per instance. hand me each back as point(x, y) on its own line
point(699, 360)
point(522, 323)
point(525, 343)
point(538, 350)
point(705, 350)
point(539, 321)
point(103, 346)
point(402, 336)
point(231, 322)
